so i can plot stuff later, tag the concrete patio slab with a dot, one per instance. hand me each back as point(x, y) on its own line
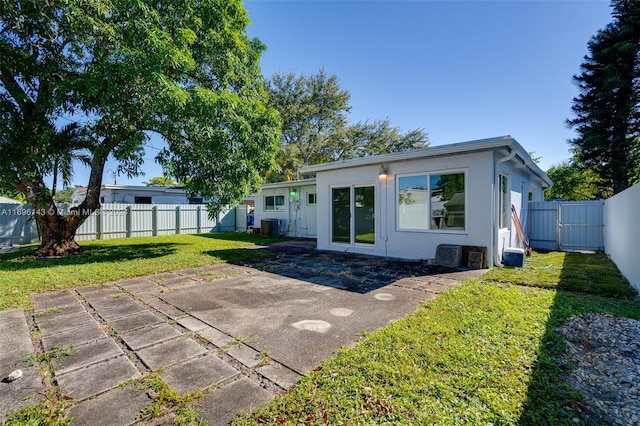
point(114, 312)
point(117, 298)
point(411, 283)
point(245, 355)
point(73, 308)
point(15, 340)
point(221, 406)
point(116, 407)
point(91, 331)
point(178, 281)
point(170, 352)
point(192, 324)
point(141, 338)
point(139, 285)
point(292, 319)
point(100, 292)
point(279, 374)
point(97, 378)
point(161, 306)
point(218, 338)
point(85, 355)
point(25, 391)
point(198, 374)
point(52, 300)
point(15, 348)
point(62, 323)
point(163, 277)
point(135, 321)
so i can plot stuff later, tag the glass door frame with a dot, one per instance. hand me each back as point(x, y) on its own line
point(352, 214)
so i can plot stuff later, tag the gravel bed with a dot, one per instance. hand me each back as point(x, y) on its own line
point(605, 351)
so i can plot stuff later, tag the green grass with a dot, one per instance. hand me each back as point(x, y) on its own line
point(21, 274)
point(580, 272)
point(484, 353)
point(166, 401)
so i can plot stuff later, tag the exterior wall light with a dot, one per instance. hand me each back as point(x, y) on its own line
point(382, 173)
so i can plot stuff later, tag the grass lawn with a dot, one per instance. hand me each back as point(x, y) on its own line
point(484, 353)
point(107, 260)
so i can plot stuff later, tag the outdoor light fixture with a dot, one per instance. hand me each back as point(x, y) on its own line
point(382, 174)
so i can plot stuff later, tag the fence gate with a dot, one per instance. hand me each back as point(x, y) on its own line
point(566, 225)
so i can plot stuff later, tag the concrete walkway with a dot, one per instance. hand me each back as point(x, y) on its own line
point(242, 334)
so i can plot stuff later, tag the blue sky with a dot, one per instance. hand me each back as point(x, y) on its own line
point(460, 70)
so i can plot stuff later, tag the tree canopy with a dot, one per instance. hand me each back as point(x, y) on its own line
point(93, 79)
point(606, 110)
point(575, 183)
point(314, 110)
point(160, 182)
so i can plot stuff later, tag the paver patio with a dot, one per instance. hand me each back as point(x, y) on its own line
point(242, 339)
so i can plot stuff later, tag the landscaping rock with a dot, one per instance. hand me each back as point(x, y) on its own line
point(14, 375)
point(606, 353)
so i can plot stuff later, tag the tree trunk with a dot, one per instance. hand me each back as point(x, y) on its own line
point(57, 234)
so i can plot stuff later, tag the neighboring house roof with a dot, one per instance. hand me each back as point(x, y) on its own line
point(285, 184)
point(175, 190)
point(501, 142)
point(5, 200)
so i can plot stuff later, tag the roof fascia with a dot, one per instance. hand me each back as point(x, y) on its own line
point(450, 149)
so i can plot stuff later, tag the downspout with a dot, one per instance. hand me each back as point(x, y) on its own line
point(497, 261)
point(545, 190)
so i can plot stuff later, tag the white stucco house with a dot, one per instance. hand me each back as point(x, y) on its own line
point(294, 204)
point(406, 204)
point(132, 194)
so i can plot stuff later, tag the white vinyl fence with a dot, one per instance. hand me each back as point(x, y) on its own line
point(119, 220)
point(16, 224)
point(622, 232)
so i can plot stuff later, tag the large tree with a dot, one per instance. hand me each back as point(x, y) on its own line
point(364, 139)
point(119, 71)
point(575, 183)
point(314, 109)
point(606, 110)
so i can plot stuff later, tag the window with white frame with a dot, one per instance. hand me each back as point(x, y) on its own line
point(312, 198)
point(431, 201)
point(274, 202)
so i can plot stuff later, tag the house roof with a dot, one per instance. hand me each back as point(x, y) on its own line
point(177, 190)
point(506, 143)
point(5, 200)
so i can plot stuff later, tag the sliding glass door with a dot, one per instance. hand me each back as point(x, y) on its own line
point(341, 215)
point(353, 215)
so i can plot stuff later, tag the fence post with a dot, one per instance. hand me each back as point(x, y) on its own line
point(177, 219)
point(154, 221)
point(128, 221)
point(198, 224)
point(98, 214)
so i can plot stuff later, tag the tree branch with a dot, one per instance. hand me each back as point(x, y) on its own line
point(15, 90)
